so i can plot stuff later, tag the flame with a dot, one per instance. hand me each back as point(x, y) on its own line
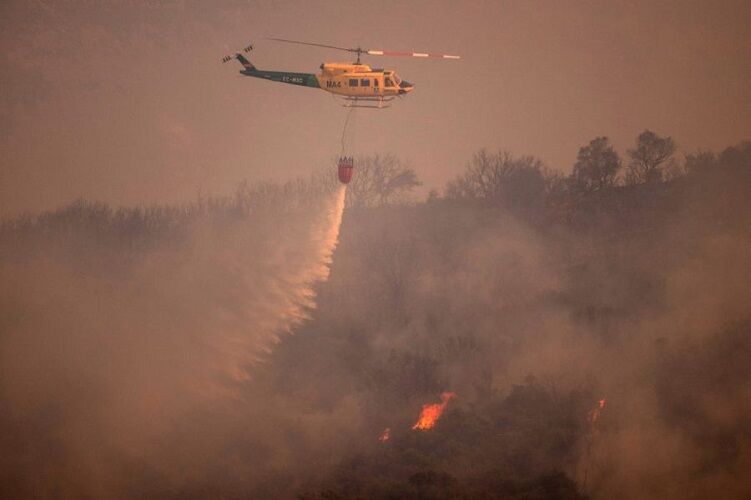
point(594, 414)
point(385, 435)
point(432, 412)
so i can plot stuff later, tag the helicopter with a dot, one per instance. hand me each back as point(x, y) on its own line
point(357, 84)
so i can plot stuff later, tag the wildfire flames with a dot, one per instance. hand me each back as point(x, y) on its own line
point(385, 435)
point(592, 416)
point(594, 413)
point(432, 412)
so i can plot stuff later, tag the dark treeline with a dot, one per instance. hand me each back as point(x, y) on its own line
point(530, 294)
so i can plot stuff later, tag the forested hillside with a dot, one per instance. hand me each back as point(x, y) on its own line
point(594, 327)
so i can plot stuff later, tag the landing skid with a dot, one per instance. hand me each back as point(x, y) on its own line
point(368, 102)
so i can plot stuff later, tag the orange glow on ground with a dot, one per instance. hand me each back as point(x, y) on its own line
point(385, 435)
point(432, 412)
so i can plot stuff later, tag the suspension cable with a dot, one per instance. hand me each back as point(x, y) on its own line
point(344, 131)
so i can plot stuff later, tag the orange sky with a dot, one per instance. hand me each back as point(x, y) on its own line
point(130, 104)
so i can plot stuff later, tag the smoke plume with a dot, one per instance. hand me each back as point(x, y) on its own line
point(133, 358)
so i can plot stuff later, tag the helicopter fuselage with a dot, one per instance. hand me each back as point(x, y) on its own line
point(344, 79)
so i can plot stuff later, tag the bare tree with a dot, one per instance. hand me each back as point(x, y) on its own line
point(377, 180)
point(502, 179)
point(380, 180)
point(596, 166)
point(651, 152)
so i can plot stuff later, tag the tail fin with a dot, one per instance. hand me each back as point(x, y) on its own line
point(246, 64)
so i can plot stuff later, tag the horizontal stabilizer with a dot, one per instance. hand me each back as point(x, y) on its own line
point(243, 60)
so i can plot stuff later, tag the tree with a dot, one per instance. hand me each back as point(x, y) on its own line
point(596, 166)
point(502, 179)
point(700, 162)
point(736, 156)
point(651, 152)
point(377, 180)
point(381, 180)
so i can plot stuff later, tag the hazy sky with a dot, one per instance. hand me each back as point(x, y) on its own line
point(127, 102)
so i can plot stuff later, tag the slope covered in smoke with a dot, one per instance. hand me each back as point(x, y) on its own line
point(121, 330)
point(635, 295)
point(128, 342)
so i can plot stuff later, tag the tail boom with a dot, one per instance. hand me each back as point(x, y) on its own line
point(244, 61)
point(301, 79)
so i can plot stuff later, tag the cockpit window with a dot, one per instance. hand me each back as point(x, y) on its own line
point(388, 82)
point(397, 79)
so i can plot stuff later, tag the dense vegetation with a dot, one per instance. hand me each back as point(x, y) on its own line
point(530, 294)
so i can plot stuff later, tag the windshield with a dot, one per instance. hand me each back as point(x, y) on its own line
point(396, 78)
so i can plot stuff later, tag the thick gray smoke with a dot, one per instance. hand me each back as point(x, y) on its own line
point(149, 359)
point(639, 298)
point(108, 361)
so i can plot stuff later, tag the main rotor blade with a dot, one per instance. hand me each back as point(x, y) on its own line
point(313, 44)
point(371, 52)
point(392, 53)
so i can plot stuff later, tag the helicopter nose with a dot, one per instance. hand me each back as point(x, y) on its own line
point(405, 87)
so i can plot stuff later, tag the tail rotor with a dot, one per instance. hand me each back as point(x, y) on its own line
point(229, 57)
